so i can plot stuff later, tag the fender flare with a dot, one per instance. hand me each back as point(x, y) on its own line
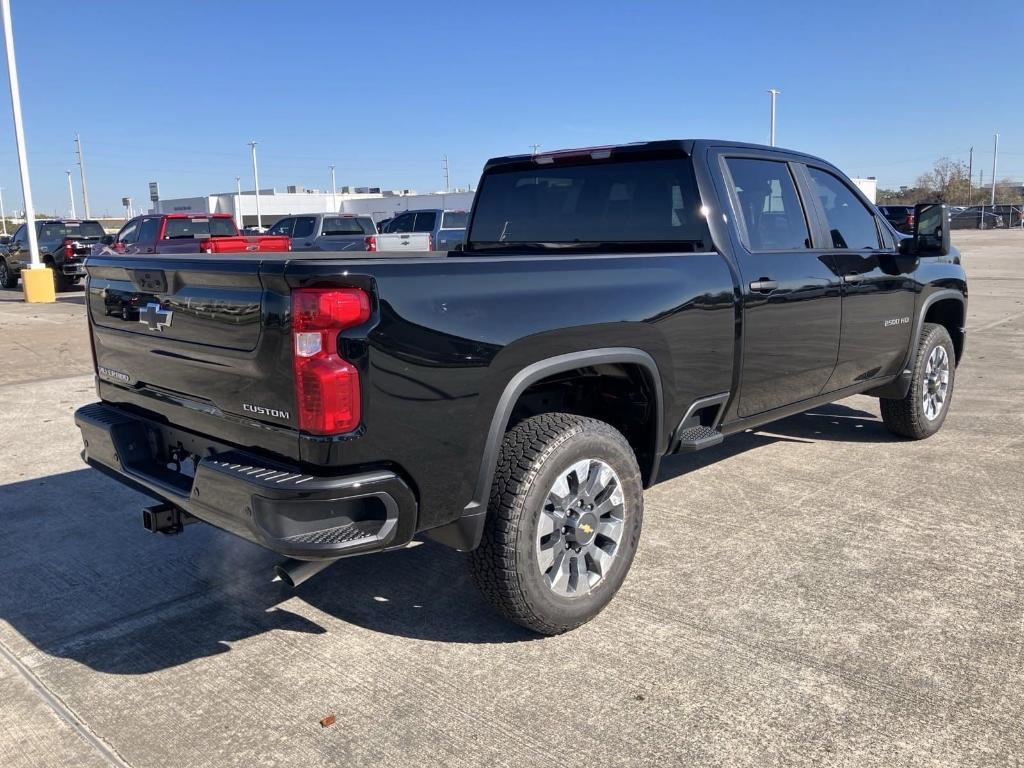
point(898, 387)
point(465, 532)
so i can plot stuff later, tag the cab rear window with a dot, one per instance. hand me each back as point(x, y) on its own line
point(178, 229)
point(619, 201)
point(347, 225)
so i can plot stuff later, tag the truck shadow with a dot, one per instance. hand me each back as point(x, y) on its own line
point(84, 581)
point(834, 422)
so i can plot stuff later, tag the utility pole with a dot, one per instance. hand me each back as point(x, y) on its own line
point(334, 191)
point(981, 187)
point(3, 216)
point(970, 175)
point(19, 138)
point(256, 181)
point(71, 195)
point(995, 153)
point(238, 203)
point(81, 167)
point(447, 186)
point(771, 135)
point(535, 148)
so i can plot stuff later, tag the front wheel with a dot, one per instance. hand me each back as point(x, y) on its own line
point(921, 413)
point(563, 522)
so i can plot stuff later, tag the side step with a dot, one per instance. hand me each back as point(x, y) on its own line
point(697, 439)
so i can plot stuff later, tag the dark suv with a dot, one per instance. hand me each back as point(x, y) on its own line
point(63, 246)
point(900, 216)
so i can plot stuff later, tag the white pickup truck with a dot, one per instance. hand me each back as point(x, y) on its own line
point(423, 230)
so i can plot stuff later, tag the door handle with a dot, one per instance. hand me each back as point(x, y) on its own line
point(764, 285)
point(853, 277)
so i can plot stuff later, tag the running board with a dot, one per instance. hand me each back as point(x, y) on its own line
point(697, 439)
point(698, 429)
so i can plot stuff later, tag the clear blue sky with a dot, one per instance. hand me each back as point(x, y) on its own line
point(173, 91)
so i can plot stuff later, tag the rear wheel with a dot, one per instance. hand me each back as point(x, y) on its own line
point(922, 412)
point(7, 277)
point(563, 523)
point(61, 282)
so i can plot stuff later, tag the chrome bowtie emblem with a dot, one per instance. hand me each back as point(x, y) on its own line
point(155, 317)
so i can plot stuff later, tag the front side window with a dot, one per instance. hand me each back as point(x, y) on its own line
point(402, 223)
point(129, 232)
point(592, 204)
point(772, 218)
point(850, 224)
point(304, 226)
point(283, 227)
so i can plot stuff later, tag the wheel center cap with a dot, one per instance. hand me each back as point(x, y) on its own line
point(583, 529)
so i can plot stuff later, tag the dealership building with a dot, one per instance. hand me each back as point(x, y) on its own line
point(273, 204)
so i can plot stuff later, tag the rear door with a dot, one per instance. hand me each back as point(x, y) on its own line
point(149, 231)
point(878, 284)
point(791, 293)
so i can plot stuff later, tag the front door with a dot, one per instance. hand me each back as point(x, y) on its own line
point(791, 293)
point(879, 288)
point(18, 252)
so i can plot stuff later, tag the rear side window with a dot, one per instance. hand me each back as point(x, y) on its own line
point(850, 224)
point(149, 230)
point(771, 217)
point(454, 220)
point(425, 221)
point(304, 226)
point(619, 201)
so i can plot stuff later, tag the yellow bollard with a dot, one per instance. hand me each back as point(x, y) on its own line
point(38, 285)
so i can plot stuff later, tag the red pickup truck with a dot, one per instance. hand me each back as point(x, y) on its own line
point(190, 233)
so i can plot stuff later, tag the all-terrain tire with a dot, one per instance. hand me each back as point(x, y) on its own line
point(907, 416)
point(61, 282)
point(534, 455)
point(8, 279)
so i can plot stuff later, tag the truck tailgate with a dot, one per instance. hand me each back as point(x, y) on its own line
point(199, 340)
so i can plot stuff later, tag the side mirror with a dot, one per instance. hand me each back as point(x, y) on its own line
point(931, 231)
point(107, 240)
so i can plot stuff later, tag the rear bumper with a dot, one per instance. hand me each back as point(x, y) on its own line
point(277, 506)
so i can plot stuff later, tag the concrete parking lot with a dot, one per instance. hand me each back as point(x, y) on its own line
point(816, 592)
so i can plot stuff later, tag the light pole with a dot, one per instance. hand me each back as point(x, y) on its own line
point(334, 191)
point(239, 218)
point(81, 167)
point(771, 135)
point(35, 291)
point(71, 195)
point(256, 181)
point(3, 216)
point(447, 185)
point(995, 152)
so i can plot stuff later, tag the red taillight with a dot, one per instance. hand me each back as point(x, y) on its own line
point(430, 242)
point(371, 243)
point(69, 250)
point(206, 246)
point(910, 219)
point(326, 386)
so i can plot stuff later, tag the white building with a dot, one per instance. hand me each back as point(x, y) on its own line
point(869, 186)
point(274, 205)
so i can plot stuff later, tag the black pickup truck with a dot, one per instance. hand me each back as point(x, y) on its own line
point(63, 246)
point(514, 397)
